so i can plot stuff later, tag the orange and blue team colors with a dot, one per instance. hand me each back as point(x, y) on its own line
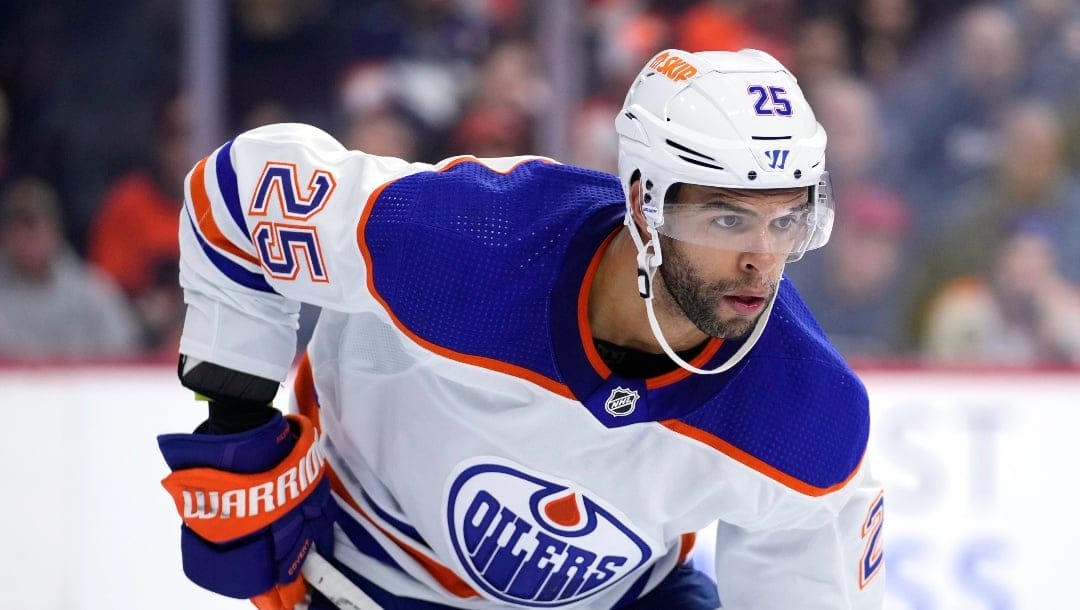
point(224, 506)
point(254, 505)
point(481, 452)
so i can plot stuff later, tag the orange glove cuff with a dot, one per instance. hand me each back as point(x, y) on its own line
point(221, 506)
point(282, 597)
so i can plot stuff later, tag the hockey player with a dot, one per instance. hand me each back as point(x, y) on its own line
point(531, 384)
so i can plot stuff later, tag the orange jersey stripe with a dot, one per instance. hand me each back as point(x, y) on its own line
point(587, 344)
point(442, 574)
point(304, 390)
point(748, 460)
point(584, 328)
point(204, 216)
point(686, 545)
point(680, 373)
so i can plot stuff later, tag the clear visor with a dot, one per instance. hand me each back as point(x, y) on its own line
point(781, 226)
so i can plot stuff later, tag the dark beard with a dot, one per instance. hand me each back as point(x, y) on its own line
point(698, 299)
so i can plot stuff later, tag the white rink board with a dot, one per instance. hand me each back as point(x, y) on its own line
point(981, 489)
point(96, 531)
point(978, 469)
point(979, 477)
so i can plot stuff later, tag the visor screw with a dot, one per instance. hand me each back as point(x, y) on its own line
point(752, 175)
point(798, 174)
point(648, 198)
point(648, 185)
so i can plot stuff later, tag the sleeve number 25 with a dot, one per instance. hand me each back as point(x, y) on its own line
point(285, 247)
point(770, 100)
point(872, 558)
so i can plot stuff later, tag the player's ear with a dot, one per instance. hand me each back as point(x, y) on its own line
point(636, 200)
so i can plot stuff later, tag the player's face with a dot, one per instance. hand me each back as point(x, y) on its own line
point(724, 290)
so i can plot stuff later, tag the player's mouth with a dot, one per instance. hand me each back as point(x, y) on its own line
point(745, 304)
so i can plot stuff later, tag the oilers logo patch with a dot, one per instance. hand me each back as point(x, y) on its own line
point(529, 540)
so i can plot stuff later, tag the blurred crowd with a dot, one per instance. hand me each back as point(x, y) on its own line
point(954, 147)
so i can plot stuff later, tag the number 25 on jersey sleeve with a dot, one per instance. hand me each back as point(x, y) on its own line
point(872, 558)
point(282, 245)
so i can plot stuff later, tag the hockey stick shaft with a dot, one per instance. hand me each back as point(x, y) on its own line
point(341, 591)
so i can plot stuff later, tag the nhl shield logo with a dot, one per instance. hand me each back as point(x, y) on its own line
point(621, 402)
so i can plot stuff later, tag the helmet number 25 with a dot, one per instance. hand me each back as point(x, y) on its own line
point(770, 100)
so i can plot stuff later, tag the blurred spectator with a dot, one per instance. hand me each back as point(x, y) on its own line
point(713, 25)
point(624, 36)
point(509, 75)
point(1031, 172)
point(428, 96)
point(885, 32)
point(593, 143)
point(730, 25)
point(913, 94)
point(948, 115)
point(501, 104)
point(855, 284)
point(821, 50)
point(83, 71)
point(852, 117)
point(279, 56)
point(265, 112)
point(620, 37)
point(496, 131)
point(1050, 31)
point(134, 240)
point(431, 30)
point(858, 281)
point(52, 306)
point(386, 132)
point(5, 121)
point(421, 55)
point(1021, 312)
point(1031, 175)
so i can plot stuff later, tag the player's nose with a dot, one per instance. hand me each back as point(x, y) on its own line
point(758, 262)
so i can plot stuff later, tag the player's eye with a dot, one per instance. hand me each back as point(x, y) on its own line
point(785, 223)
point(794, 221)
point(727, 221)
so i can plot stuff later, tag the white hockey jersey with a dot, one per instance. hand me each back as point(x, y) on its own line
point(483, 453)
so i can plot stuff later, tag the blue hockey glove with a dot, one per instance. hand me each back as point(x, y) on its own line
point(252, 505)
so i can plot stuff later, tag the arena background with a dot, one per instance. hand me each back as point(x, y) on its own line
point(975, 446)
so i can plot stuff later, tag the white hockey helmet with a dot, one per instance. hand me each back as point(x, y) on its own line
point(723, 119)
